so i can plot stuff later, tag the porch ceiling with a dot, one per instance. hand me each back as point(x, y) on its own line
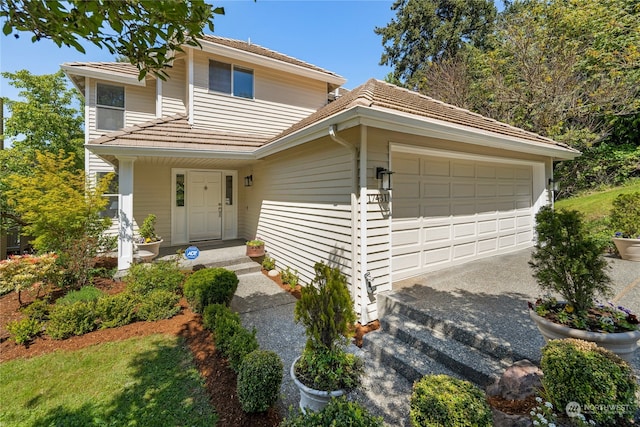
point(187, 163)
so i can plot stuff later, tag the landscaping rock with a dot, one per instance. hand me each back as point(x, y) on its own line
point(518, 382)
point(500, 419)
point(273, 273)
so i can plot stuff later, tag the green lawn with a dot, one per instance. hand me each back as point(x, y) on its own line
point(597, 205)
point(138, 382)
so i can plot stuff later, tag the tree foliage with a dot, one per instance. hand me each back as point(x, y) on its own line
point(60, 212)
point(148, 32)
point(44, 119)
point(425, 32)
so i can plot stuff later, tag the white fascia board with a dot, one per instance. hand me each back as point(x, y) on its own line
point(425, 126)
point(241, 55)
point(103, 75)
point(405, 123)
point(168, 152)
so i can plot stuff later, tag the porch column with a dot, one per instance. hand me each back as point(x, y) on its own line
point(125, 232)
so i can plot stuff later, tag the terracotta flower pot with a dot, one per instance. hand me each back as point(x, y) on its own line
point(624, 344)
point(628, 249)
point(255, 251)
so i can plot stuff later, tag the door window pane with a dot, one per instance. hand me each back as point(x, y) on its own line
point(180, 189)
point(229, 190)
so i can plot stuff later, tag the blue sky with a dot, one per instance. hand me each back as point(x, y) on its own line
point(336, 35)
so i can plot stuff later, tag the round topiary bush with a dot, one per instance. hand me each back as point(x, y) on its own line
point(259, 380)
point(599, 381)
point(210, 286)
point(441, 400)
point(339, 412)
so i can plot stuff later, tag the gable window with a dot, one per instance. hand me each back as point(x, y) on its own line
point(230, 79)
point(109, 107)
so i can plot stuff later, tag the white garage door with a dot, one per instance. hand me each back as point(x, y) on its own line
point(447, 211)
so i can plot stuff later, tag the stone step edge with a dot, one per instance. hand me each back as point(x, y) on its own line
point(471, 363)
point(486, 343)
point(402, 358)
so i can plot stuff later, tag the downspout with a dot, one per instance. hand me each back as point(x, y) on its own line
point(354, 206)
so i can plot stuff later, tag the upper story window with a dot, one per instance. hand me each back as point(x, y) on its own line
point(109, 107)
point(230, 79)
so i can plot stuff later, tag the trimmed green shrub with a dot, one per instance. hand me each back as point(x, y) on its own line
point(66, 320)
point(259, 380)
point(210, 286)
point(24, 330)
point(37, 310)
point(157, 305)
point(85, 294)
point(164, 274)
point(625, 215)
point(441, 400)
point(117, 310)
point(225, 328)
point(240, 344)
point(213, 312)
point(582, 372)
point(324, 369)
point(339, 412)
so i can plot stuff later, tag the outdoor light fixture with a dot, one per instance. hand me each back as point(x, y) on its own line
point(385, 176)
point(553, 185)
point(248, 180)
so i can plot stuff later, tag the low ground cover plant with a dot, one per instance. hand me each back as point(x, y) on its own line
point(441, 400)
point(339, 412)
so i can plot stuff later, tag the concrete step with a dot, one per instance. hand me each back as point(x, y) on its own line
point(240, 265)
point(468, 334)
point(402, 357)
point(467, 361)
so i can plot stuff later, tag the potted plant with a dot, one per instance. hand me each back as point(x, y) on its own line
point(325, 369)
point(568, 262)
point(255, 248)
point(149, 242)
point(625, 221)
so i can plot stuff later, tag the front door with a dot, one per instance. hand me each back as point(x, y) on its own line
point(205, 205)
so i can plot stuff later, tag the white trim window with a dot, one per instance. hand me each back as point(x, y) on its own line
point(230, 79)
point(112, 208)
point(109, 107)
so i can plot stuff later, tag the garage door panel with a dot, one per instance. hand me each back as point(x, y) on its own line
point(467, 209)
point(436, 233)
point(435, 167)
point(436, 189)
point(463, 189)
point(408, 166)
point(463, 170)
point(463, 208)
point(464, 230)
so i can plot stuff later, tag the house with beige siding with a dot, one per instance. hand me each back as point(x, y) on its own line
point(241, 141)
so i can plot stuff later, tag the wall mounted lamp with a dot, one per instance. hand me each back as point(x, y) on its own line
point(248, 180)
point(553, 185)
point(384, 175)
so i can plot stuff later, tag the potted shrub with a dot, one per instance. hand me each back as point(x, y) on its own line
point(325, 369)
point(255, 248)
point(568, 262)
point(625, 221)
point(148, 241)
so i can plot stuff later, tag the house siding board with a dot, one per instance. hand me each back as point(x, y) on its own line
point(174, 90)
point(152, 195)
point(300, 206)
point(281, 100)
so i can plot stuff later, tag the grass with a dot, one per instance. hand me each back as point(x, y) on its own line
point(147, 381)
point(597, 205)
